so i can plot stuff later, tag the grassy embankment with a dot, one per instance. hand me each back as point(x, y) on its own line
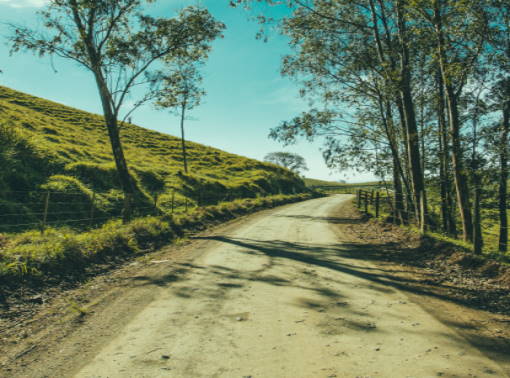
point(46, 148)
point(490, 223)
point(64, 254)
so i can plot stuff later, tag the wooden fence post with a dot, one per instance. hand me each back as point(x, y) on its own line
point(366, 202)
point(377, 198)
point(358, 198)
point(45, 214)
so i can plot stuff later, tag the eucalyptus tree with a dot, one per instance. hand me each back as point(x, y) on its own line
point(180, 91)
point(341, 49)
point(293, 162)
point(458, 30)
point(119, 43)
point(500, 46)
point(476, 110)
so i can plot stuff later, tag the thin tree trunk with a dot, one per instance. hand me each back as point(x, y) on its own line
point(447, 219)
point(477, 220)
point(183, 141)
point(475, 169)
point(125, 179)
point(461, 185)
point(503, 181)
point(405, 174)
point(399, 198)
point(413, 138)
point(389, 128)
point(108, 112)
point(386, 59)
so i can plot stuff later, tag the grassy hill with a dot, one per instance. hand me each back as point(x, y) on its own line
point(49, 147)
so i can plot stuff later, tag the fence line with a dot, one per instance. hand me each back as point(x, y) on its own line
point(90, 214)
point(377, 201)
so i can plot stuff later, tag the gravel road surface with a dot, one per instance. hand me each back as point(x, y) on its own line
point(277, 297)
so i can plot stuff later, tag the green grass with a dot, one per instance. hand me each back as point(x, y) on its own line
point(33, 258)
point(51, 147)
point(490, 226)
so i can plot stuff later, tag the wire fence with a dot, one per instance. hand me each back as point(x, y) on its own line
point(383, 203)
point(28, 210)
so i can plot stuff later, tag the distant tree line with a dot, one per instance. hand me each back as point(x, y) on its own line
point(293, 162)
point(415, 90)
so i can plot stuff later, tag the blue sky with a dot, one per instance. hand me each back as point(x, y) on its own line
point(246, 96)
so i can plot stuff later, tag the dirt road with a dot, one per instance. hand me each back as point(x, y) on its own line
point(276, 298)
point(273, 295)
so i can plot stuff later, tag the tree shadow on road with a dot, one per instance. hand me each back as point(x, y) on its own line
point(347, 258)
point(342, 258)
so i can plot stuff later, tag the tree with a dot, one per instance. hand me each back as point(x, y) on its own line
point(414, 88)
point(500, 44)
point(356, 55)
point(458, 31)
point(291, 161)
point(118, 44)
point(180, 91)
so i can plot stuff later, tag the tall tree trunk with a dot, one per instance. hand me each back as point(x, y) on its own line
point(125, 178)
point(385, 60)
point(413, 139)
point(503, 180)
point(183, 141)
point(477, 183)
point(405, 173)
point(461, 185)
point(447, 218)
point(109, 113)
point(399, 215)
point(389, 128)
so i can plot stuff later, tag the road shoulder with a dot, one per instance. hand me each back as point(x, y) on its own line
point(457, 300)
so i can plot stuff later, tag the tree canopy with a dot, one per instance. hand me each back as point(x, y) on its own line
point(293, 162)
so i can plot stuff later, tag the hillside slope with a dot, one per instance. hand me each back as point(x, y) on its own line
point(49, 147)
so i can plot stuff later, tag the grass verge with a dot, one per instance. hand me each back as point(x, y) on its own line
point(59, 255)
point(445, 253)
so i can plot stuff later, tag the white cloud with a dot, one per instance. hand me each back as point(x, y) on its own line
point(288, 96)
point(24, 3)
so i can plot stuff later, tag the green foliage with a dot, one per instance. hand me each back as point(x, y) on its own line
point(291, 161)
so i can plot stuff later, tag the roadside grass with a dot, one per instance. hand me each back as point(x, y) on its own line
point(34, 258)
point(489, 231)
